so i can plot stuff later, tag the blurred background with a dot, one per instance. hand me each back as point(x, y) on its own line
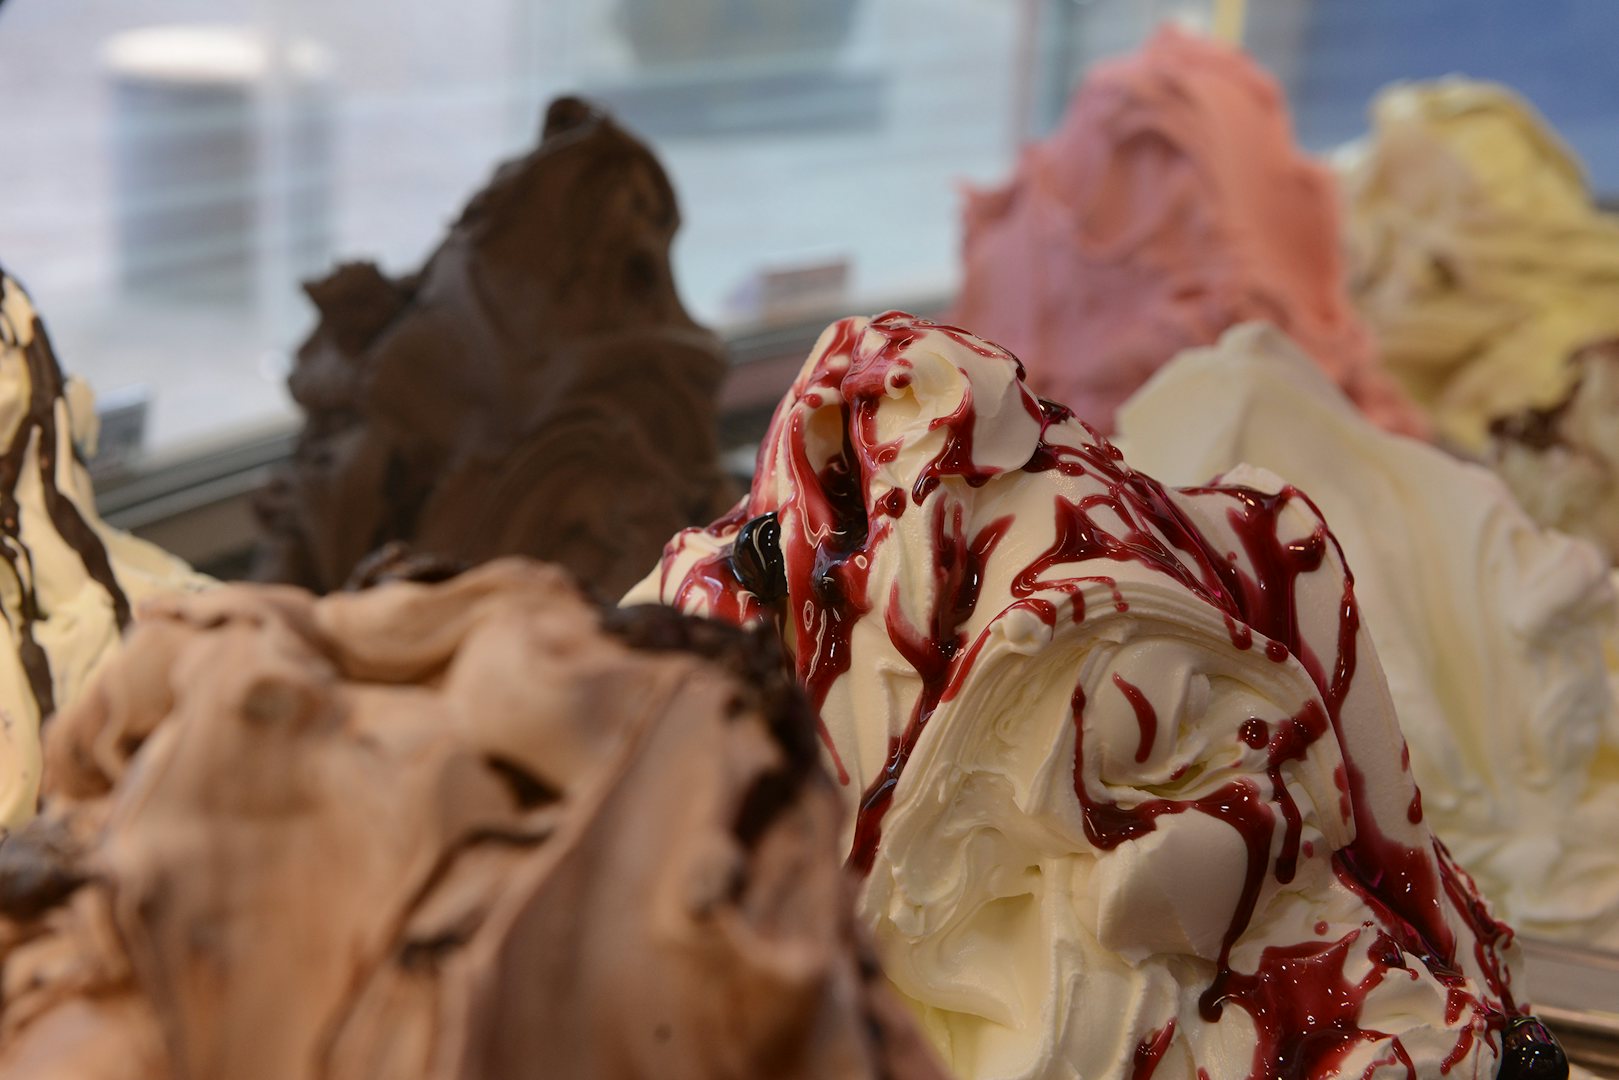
point(174, 168)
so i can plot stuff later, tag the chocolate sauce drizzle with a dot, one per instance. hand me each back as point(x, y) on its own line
point(40, 420)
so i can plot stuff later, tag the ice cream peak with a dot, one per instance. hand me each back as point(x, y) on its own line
point(67, 581)
point(1478, 255)
point(1562, 462)
point(536, 388)
point(1170, 204)
point(1129, 783)
point(456, 831)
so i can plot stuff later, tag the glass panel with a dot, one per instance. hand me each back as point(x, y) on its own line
point(1332, 57)
point(181, 164)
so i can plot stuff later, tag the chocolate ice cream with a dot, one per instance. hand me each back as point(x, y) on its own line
point(445, 830)
point(536, 388)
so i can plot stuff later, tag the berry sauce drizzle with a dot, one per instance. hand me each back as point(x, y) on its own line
point(835, 513)
point(1146, 716)
point(1150, 1051)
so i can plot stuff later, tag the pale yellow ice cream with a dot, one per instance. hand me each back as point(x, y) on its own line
point(1477, 253)
point(68, 582)
point(1496, 634)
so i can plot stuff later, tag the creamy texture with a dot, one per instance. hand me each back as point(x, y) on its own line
point(1496, 635)
point(1478, 255)
point(536, 388)
point(68, 583)
point(1562, 462)
point(449, 831)
point(1170, 204)
point(1129, 783)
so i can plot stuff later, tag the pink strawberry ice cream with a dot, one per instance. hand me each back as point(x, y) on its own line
point(1169, 205)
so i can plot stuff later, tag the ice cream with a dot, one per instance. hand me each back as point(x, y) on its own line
point(536, 388)
point(68, 582)
point(458, 830)
point(1478, 255)
point(1563, 462)
point(1170, 204)
point(1495, 634)
point(1129, 784)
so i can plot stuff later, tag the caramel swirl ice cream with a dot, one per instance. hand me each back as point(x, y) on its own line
point(457, 830)
point(1478, 254)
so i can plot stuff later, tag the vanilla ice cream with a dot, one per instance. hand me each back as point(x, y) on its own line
point(1496, 635)
point(68, 583)
point(1130, 792)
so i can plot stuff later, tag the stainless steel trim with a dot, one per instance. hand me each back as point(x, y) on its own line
point(1575, 991)
point(1572, 977)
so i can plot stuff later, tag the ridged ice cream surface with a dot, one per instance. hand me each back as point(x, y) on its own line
point(1496, 635)
point(69, 583)
point(1170, 203)
point(468, 830)
point(1129, 788)
point(1479, 256)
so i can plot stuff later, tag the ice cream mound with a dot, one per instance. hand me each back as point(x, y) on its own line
point(1563, 462)
point(1495, 634)
point(1131, 795)
point(451, 830)
point(536, 388)
point(68, 582)
point(1479, 257)
point(1170, 204)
